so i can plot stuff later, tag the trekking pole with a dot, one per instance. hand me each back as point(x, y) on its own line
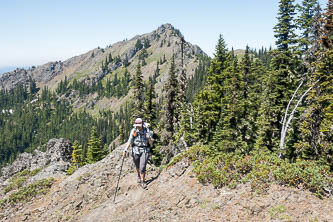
point(121, 167)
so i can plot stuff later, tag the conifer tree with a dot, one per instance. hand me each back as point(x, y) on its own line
point(316, 127)
point(327, 37)
point(207, 105)
point(146, 43)
point(250, 90)
point(150, 105)
point(317, 120)
point(170, 103)
point(138, 93)
point(110, 58)
point(197, 82)
point(285, 28)
point(32, 86)
point(315, 35)
point(305, 22)
point(105, 150)
point(255, 80)
point(95, 149)
point(122, 133)
point(138, 45)
point(125, 61)
point(281, 81)
point(181, 106)
point(77, 154)
point(228, 135)
point(182, 87)
point(278, 86)
point(156, 73)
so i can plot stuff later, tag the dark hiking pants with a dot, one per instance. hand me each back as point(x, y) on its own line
point(140, 161)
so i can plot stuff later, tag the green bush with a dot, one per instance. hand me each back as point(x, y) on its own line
point(71, 170)
point(260, 168)
point(19, 179)
point(3, 202)
point(309, 174)
point(28, 192)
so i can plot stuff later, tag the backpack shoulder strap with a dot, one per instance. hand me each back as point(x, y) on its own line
point(134, 132)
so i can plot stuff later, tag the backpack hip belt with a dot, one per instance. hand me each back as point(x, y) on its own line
point(140, 149)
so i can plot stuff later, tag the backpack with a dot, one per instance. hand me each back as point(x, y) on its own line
point(144, 141)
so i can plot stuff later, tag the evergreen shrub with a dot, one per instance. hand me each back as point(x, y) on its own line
point(259, 168)
point(27, 193)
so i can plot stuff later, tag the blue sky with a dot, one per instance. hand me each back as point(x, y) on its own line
point(37, 31)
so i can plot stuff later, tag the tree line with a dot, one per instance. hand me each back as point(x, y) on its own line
point(267, 104)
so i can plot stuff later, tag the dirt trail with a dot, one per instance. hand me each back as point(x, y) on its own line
point(173, 195)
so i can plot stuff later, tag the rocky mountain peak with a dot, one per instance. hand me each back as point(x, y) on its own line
point(164, 41)
point(165, 27)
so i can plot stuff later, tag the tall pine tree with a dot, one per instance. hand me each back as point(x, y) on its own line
point(95, 149)
point(285, 28)
point(317, 120)
point(138, 108)
point(228, 135)
point(171, 89)
point(207, 105)
point(281, 81)
point(150, 105)
point(305, 22)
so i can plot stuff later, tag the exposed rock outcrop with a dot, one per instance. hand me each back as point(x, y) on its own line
point(55, 160)
point(41, 74)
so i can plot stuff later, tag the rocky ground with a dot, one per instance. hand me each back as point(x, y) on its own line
point(173, 194)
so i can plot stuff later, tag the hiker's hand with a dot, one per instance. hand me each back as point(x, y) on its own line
point(148, 136)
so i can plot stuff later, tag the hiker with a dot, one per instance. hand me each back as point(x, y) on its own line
point(140, 139)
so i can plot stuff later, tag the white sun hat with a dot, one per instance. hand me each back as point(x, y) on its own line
point(138, 122)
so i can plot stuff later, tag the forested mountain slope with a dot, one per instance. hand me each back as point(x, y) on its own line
point(64, 99)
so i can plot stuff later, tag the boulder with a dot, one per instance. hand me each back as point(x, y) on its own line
point(57, 157)
point(59, 149)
